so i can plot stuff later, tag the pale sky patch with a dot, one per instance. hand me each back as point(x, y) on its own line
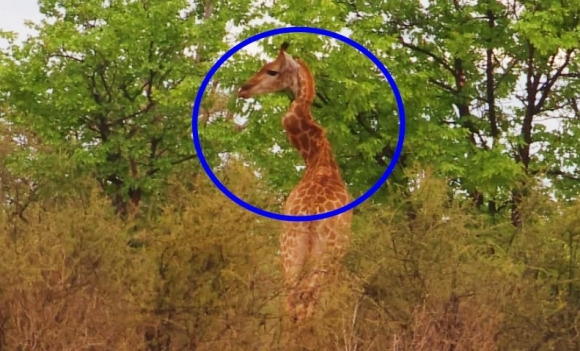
point(14, 13)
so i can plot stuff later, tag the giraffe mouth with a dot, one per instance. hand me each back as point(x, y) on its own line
point(244, 92)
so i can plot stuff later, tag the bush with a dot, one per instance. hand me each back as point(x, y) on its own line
point(197, 272)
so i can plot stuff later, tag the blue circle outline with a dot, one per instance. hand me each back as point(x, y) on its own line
point(284, 217)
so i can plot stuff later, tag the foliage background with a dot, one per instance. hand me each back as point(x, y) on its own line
point(112, 238)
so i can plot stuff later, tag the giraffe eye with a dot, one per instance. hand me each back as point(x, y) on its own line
point(272, 73)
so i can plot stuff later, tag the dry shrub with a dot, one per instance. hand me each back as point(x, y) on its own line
point(545, 309)
point(197, 272)
point(453, 325)
point(425, 284)
point(201, 275)
point(217, 283)
point(64, 279)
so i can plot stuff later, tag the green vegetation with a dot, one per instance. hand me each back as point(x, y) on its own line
point(111, 238)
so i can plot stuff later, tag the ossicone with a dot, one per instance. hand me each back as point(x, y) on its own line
point(284, 46)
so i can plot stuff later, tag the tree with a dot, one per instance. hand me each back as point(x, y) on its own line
point(108, 87)
point(505, 68)
point(480, 81)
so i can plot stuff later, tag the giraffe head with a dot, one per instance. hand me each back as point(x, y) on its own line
point(277, 75)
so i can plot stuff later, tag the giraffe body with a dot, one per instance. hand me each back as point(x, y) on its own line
point(311, 251)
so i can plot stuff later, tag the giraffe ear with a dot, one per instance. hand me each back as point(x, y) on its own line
point(283, 48)
point(285, 59)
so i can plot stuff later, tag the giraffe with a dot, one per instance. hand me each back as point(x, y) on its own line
point(311, 251)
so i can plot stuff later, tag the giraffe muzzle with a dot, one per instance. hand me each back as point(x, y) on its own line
point(244, 92)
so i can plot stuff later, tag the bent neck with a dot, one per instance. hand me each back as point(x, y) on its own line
point(307, 136)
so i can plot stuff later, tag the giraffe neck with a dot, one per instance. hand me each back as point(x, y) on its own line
point(307, 136)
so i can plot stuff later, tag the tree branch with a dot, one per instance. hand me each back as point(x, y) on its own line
point(546, 88)
point(558, 172)
point(428, 53)
point(443, 86)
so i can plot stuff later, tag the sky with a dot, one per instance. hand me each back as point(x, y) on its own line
point(13, 13)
